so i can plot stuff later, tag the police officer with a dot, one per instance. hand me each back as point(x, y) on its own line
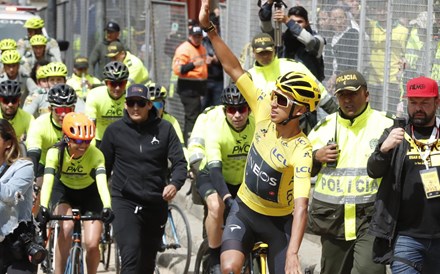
point(344, 195)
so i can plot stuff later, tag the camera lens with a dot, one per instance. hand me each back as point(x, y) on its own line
point(36, 253)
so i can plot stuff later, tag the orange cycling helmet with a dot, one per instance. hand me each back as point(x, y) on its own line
point(78, 126)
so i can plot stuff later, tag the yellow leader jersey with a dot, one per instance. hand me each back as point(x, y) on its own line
point(277, 169)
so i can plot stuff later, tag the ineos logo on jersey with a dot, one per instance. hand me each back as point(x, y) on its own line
point(277, 157)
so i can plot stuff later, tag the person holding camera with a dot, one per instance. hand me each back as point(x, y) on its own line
point(18, 253)
point(343, 198)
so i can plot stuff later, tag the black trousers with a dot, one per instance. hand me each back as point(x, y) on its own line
point(138, 231)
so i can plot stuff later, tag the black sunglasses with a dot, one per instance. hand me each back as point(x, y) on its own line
point(139, 103)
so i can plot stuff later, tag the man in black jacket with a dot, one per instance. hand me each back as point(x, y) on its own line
point(137, 149)
point(406, 221)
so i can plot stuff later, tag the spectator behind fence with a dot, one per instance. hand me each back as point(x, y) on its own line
point(342, 143)
point(98, 58)
point(189, 64)
point(300, 41)
point(406, 220)
point(344, 44)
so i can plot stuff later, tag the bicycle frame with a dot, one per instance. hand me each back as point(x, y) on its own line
point(176, 244)
point(75, 263)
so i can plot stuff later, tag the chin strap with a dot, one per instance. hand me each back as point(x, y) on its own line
point(290, 117)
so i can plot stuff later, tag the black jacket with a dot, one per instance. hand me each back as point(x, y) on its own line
point(388, 198)
point(138, 155)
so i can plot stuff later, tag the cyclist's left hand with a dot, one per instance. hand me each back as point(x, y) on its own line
point(169, 192)
point(107, 215)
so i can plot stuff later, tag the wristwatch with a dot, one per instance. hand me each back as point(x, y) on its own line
point(210, 28)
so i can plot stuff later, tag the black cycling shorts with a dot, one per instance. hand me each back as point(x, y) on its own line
point(205, 186)
point(87, 200)
point(244, 227)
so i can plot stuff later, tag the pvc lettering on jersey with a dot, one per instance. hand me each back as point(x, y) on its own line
point(72, 169)
point(241, 149)
point(112, 112)
point(345, 185)
point(261, 178)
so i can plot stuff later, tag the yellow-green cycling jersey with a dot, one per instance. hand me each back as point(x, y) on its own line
point(197, 140)
point(170, 118)
point(348, 184)
point(21, 122)
point(229, 148)
point(137, 73)
point(43, 134)
point(76, 82)
point(277, 169)
point(76, 173)
point(103, 109)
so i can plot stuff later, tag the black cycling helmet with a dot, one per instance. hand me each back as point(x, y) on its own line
point(115, 71)
point(61, 95)
point(156, 91)
point(231, 96)
point(10, 88)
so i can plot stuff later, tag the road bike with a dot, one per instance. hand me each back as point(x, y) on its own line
point(255, 263)
point(75, 261)
point(105, 246)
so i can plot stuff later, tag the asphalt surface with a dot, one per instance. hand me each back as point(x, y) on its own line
point(310, 252)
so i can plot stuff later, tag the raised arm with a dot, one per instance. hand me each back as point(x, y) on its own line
point(230, 63)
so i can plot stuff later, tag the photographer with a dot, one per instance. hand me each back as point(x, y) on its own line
point(18, 253)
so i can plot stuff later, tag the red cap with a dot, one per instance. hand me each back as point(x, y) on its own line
point(421, 87)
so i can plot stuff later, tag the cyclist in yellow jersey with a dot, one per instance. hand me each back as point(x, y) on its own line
point(277, 176)
point(45, 131)
point(82, 178)
point(105, 104)
point(13, 70)
point(10, 93)
point(221, 172)
point(158, 94)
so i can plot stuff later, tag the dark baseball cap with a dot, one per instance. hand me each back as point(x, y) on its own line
point(114, 48)
point(196, 30)
point(421, 87)
point(263, 42)
point(349, 80)
point(137, 90)
point(81, 62)
point(112, 27)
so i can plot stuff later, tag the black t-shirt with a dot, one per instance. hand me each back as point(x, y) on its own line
point(419, 217)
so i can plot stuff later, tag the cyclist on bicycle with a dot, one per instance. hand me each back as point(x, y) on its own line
point(81, 80)
point(11, 60)
point(10, 93)
point(55, 73)
point(45, 131)
point(105, 104)
point(222, 169)
point(82, 179)
point(38, 43)
point(277, 175)
point(5, 45)
point(35, 26)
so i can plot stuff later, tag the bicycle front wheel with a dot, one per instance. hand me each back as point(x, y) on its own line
point(202, 265)
point(74, 263)
point(177, 241)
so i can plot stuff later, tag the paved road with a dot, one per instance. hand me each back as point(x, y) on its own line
point(310, 252)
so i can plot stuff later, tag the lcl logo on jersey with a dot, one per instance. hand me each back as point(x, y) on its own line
point(277, 157)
